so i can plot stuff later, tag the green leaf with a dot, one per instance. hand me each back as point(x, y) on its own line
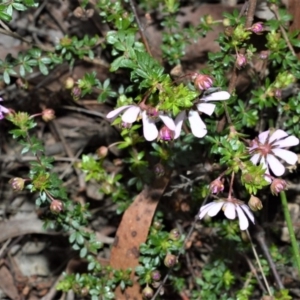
point(6, 77)
point(19, 6)
point(43, 68)
point(5, 17)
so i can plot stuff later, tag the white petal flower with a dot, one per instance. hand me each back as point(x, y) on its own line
point(198, 127)
point(231, 208)
point(132, 113)
point(268, 147)
point(3, 110)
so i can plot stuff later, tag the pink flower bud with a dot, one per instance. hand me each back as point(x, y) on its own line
point(17, 184)
point(277, 186)
point(76, 93)
point(159, 170)
point(170, 260)
point(264, 54)
point(202, 82)
point(48, 114)
point(56, 206)
point(241, 60)
point(174, 234)
point(216, 186)
point(257, 27)
point(147, 292)
point(166, 134)
point(278, 94)
point(102, 151)
point(155, 275)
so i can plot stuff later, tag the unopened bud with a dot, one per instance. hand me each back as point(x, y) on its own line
point(102, 151)
point(278, 185)
point(209, 19)
point(254, 203)
point(264, 54)
point(216, 186)
point(202, 82)
point(48, 114)
point(157, 225)
point(257, 27)
point(241, 60)
point(155, 275)
point(166, 134)
point(76, 93)
point(170, 260)
point(159, 170)
point(226, 22)
point(147, 292)
point(17, 184)
point(69, 83)
point(56, 206)
point(174, 234)
point(278, 94)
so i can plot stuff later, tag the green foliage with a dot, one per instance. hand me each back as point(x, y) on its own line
point(269, 99)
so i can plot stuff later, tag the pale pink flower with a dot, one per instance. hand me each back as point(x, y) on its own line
point(133, 112)
point(268, 145)
point(231, 208)
point(3, 110)
point(198, 127)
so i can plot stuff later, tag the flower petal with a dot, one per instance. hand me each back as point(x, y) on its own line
point(149, 128)
point(178, 123)
point(262, 137)
point(288, 142)
point(204, 209)
point(288, 156)
point(168, 121)
point(255, 158)
point(243, 221)
point(275, 165)
point(114, 113)
point(214, 209)
point(3, 109)
point(217, 96)
point(131, 114)
point(248, 212)
point(277, 135)
point(229, 210)
point(207, 108)
point(197, 125)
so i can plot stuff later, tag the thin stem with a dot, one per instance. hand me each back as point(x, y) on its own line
point(141, 28)
point(289, 223)
point(274, 8)
point(259, 264)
